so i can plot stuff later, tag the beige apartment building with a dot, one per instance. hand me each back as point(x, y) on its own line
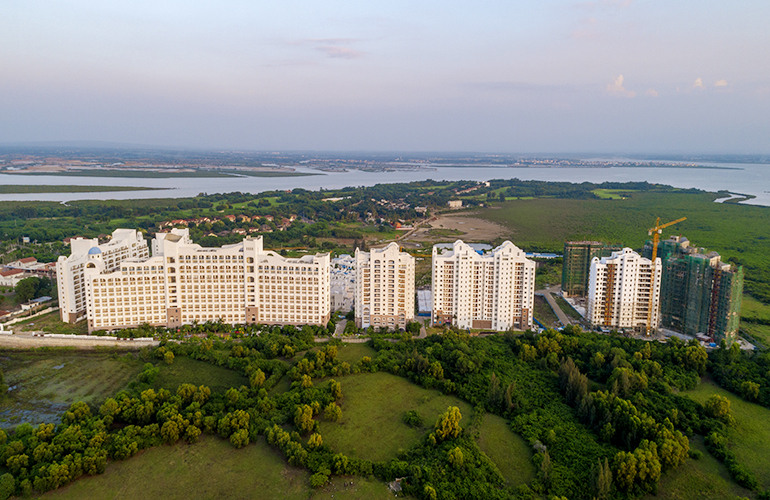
point(483, 290)
point(624, 291)
point(124, 244)
point(384, 288)
point(185, 283)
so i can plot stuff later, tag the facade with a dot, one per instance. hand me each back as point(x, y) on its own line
point(624, 291)
point(185, 283)
point(343, 283)
point(577, 265)
point(700, 294)
point(124, 244)
point(384, 288)
point(489, 290)
point(455, 204)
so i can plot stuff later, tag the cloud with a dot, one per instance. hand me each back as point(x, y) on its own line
point(338, 52)
point(611, 4)
point(720, 83)
point(616, 88)
point(651, 93)
point(698, 84)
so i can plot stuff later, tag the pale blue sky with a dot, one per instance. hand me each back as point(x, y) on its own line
point(549, 76)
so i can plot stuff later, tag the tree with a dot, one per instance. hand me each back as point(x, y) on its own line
point(257, 378)
point(26, 289)
point(240, 438)
point(448, 425)
point(332, 412)
point(336, 389)
point(602, 479)
point(7, 486)
point(303, 418)
point(168, 357)
point(315, 441)
point(718, 407)
point(749, 390)
point(455, 457)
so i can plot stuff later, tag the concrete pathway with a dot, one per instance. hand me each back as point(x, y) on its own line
point(563, 318)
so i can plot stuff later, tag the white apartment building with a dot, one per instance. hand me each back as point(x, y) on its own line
point(124, 244)
point(185, 283)
point(491, 290)
point(384, 288)
point(343, 283)
point(621, 290)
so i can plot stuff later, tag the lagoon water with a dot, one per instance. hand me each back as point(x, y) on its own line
point(749, 178)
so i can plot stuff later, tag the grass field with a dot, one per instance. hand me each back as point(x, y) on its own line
point(544, 314)
point(750, 438)
point(611, 194)
point(507, 450)
point(373, 405)
point(352, 353)
point(699, 479)
point(52, 323)
point(186, 370)
point(752, 311)
point(45, 383)
point(209, 469)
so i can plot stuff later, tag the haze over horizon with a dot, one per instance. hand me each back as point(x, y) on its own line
point(556, 76)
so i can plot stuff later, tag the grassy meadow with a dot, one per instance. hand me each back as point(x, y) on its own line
point(699, 479)
point(750, 437)
point(210, 469)
point(352, 353)
point(373, 406)
point(52, 323)
point(44, 383)
point(508, 450)
point(186, 370)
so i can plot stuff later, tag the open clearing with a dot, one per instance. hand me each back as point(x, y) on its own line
point(750, 438)
point(507, 450)
point(43, 384)
point(352, 353)
point(463, 226)
point(698, 479)
point(209, 469)
point(373, 406)
point(186, 370)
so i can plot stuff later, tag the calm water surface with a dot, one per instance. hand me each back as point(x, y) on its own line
point(750, 179)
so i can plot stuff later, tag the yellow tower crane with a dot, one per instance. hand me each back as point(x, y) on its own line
point(655, 232)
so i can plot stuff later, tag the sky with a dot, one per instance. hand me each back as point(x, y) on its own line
point(604, 76)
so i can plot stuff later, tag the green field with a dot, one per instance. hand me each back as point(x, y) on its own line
point(753, 314)
point(750, 438)
point(34, 188)
point(352, 353)
point(507, 450)
point(699, 479)
point(186, 370)
point(373, 405)
point(209, 469)
point(612, 194)
point(45, 383)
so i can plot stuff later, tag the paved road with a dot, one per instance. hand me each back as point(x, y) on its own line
point(563, 318)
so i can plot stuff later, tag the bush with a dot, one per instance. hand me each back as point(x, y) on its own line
point(413, 419)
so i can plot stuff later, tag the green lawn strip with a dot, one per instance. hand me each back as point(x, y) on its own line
point(210, 469)
point(507, 450)
point(760, 333)
point(543, 312)
point(186, 370)
point(354, 488)
point(352, 353)
point(611, 194)
point(24, 188)
point(750, 437)
point(373, 406)
point(45, 383)
point(699, 479)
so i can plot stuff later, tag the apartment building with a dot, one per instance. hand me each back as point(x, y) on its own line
point(384, 288)
point(477, 289)
point(624, 291)
point(124, 244)
point(185, 283)
point(576, 267)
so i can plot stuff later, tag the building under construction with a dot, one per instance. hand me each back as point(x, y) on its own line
point(577, 264)
point(699, 292)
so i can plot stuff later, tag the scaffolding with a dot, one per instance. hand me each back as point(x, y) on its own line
point(576, 267)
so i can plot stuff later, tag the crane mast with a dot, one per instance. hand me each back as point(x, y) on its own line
point(655, 232)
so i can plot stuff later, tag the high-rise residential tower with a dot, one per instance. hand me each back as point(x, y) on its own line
point(384, 288)
point(577, 265)
point(476, 289)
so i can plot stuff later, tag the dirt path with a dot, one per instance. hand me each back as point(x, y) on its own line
point(23, 341)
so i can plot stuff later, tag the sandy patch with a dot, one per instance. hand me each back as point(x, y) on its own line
point(463, 226)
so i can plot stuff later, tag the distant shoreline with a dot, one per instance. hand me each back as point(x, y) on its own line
point(46, 188)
